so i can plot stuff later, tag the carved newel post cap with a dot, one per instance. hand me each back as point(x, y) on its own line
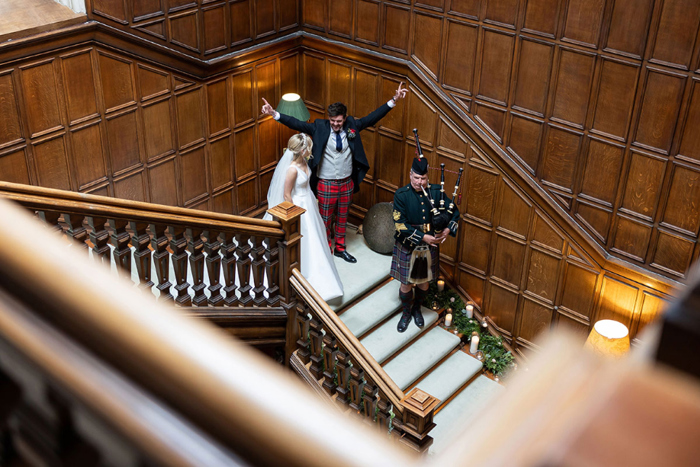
point(286, 211)
point(418, 414)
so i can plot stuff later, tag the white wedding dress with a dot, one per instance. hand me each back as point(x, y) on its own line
point(317, 264)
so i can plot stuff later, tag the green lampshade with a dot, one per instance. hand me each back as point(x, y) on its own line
point(292, 105)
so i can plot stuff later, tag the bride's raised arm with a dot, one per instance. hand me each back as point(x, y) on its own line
point(289, 181)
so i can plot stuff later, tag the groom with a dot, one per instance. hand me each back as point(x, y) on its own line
point(339, 164)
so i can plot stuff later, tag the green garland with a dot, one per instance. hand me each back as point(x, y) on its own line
point(497, 359)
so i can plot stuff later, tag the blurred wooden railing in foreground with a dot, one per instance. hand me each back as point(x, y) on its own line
point(94, 371)
point(247, 261)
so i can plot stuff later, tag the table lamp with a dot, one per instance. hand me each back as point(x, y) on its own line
point(609, 338)
point(292, 105)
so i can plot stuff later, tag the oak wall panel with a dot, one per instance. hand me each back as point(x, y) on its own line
point(264, 18)
point(86, 143)
point(629, 25)
point(613, 111)
point(52, 163)
point(677, 33)
point(467, 8)
point(496, 61)
point(583, 21)
point(42, 104)
point(683, 195)
point(573, 84)
point(427, 41)
point(541, 17)
point(341, 17)
point(502, 12)
point(368, 22)
point(140, 130)
point(659, 111)
point(460, 57)
point(532, 83)
point(10, 124)
point(14, 167)
point(396, 28)
point(601, 172)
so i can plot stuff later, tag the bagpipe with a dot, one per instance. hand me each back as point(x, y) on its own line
point(441, 214)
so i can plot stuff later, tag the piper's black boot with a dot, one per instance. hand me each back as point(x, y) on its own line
point(415, 309)
point(406, 299)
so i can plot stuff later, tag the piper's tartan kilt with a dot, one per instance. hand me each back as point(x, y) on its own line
point(401, 262)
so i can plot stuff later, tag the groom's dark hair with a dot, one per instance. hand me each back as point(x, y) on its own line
point(336, 109)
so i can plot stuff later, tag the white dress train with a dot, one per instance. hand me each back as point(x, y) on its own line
point(317, 264)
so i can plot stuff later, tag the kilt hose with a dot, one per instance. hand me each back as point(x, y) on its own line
point(401, 262)
point(335, 196)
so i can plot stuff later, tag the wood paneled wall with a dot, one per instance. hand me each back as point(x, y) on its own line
point(94, 120)
point(199, 28)
point(515, 260)
point(596, 101)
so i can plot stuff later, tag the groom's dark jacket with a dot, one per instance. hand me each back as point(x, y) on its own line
point(320, 131)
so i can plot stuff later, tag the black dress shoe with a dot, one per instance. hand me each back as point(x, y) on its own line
point(345, 255)
point(418, 316)
point(404, 321)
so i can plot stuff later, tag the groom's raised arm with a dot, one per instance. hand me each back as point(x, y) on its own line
point(374, 117)
point(286, 120)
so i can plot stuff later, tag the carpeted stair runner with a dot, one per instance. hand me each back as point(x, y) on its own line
point(373, 309)
point(384, 341)
point(451, 375)
point(462, 410)
point(422, 355)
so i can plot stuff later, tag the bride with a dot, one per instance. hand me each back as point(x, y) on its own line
point(290, 182)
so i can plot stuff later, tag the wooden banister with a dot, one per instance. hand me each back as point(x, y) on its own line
point(198, 246)
point(236, 396)
point(347, 339)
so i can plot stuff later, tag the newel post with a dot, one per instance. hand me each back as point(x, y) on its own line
point(417, 420)
point(289, 216)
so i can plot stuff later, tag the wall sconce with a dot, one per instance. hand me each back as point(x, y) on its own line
point(609, 338)
point(291, 104)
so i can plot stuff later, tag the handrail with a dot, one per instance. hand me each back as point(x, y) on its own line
point(226, 389)
point(72, 202)
point(341, 332)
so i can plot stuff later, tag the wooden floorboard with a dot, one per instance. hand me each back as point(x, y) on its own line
point(22, 18)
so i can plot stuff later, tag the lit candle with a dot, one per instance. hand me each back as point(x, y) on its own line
point(484, 325)
point(474, 345)
point(470, 311)
point(448, 319)
point(440, 285)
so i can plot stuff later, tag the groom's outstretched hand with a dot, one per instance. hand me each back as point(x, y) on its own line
point(400, 93)
point(267, 109)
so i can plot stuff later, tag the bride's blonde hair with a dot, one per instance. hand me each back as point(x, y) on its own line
point(300, 144)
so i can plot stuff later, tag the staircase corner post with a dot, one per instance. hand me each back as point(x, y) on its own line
point(289, 216)
point(417, 420)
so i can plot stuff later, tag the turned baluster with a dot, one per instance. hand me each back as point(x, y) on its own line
point(330, 354)
point(356, 385)
point(302, 323)
point(52, 220)
point(119, 238)
point(161, 258)
point(384, 408)
point(228, 248)
point(142, 255)
point(213, 263)
point(316, 338)
point(178, 245)
point(272, 271)
point(195, 246)
point(75, 228)
point(369, 400)
point(343, 369)
point(258, 264)
point(99, 236)
point(243, 267)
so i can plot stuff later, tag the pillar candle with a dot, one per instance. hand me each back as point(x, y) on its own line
point(470, 311)
point(440, 285)
point(474, 345)
point(448, 320)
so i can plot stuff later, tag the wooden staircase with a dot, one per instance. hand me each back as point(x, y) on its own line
point(431, 359)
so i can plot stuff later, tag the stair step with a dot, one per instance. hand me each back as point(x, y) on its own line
point(386, 340)
point(461, 410)
point(370, 270)
point(373, 309)
point(451, 375)
point(421, 356)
